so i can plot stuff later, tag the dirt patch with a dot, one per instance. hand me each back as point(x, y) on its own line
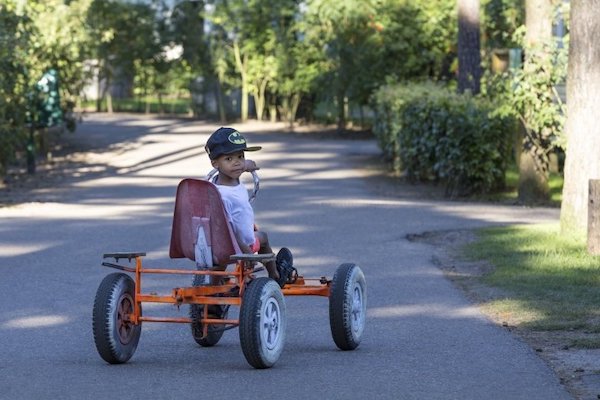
point(577, 368)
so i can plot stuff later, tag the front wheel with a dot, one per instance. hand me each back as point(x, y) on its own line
point(116, 337)
point(262, 323)
point(348, 306)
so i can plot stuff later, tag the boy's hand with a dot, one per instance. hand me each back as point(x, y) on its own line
point(250, 166)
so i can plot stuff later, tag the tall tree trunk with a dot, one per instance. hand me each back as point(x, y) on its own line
point(244, 101)
point(221, 105)
point(242, 62)
point(260, 99)
point(533, 180)
point(341, 110)
point(469, 56)
point(583, 130)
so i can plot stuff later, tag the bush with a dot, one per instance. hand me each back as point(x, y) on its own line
point(431, 133)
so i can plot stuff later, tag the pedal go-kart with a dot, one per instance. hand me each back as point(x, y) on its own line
point(201, 233)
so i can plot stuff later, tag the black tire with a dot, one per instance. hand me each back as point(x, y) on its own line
point(215, 332)
point(347, 306)
point(262, 323)
point(116, 339)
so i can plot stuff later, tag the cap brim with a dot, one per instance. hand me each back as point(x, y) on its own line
point(253, 148)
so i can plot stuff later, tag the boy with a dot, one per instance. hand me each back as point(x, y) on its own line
point(226, 149)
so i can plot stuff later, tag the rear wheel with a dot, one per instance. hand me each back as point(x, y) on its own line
point(347, 306)
point(262, 323)
point(116, 337)
point(215, 332)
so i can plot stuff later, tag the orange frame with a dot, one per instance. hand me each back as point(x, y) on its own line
point(205, 295)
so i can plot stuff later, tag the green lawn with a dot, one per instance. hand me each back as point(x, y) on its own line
point(549, 282)
point(510, 194)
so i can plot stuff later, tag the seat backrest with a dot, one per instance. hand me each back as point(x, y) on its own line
point(199, 200)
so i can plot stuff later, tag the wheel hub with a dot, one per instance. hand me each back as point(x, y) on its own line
point(357, 308)
point(125, 328)
point(270, 324)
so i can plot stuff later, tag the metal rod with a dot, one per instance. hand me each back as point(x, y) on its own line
point(184, 320)
point(117, 266)
point(187, 272)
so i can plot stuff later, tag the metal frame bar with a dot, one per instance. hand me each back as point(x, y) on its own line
point(205, 295)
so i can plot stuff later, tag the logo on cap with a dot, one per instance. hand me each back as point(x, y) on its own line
point(236, 138)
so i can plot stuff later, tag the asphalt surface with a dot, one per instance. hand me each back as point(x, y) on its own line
point(423, 339)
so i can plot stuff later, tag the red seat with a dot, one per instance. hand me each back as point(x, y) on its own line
point(198, 202)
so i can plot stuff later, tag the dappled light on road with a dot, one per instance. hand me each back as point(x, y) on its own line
point(40, 321)
point(58, 211)
point(425, 310)
point(15, 250)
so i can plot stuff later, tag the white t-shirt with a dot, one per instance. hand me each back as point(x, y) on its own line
point(239, 211)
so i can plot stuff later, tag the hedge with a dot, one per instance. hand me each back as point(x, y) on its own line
point(429, 132)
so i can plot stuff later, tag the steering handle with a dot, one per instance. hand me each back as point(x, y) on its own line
point(255, 179)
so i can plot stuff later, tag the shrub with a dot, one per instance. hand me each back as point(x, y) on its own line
point(431, 133)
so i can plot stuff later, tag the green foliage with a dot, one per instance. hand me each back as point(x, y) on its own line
point(129, 44)
point(13, 80)
point(430, 132)
point(62, 43)
point(49, 110)
point(367, 43)
point(35, 37)
point(530, 95)
point(501, 19)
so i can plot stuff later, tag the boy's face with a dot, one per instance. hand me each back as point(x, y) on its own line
point(231, 165)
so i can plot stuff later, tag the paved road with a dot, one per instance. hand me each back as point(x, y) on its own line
point(423, 339)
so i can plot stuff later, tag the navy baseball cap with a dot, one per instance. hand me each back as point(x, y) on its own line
point(226, 141)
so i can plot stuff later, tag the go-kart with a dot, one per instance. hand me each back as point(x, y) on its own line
point(224, 277)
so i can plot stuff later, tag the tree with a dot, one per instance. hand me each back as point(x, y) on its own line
point(469, 58)
point(17, 29)
point(125, 35)
point(344, 28)
point(242, 27)
point(583, 131)
point(37, 36)
point(262, 71)
point(501, 19)
point(533, 177)
point(186, 25)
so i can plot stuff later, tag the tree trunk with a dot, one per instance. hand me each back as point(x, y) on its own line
point(538, 21)
point(533, 180)
point(533, 183)
point(273, 112)
point(222, 114)
point(242, 63)
point(582, 161)
point(593, 239)
point(293, 103)
point(469, 56)
point(244, 101)
point(341, 106)
point(260, 98)
point(109, 104)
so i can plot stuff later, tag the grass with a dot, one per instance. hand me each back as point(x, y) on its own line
point(511, 179)
point(549, 282)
